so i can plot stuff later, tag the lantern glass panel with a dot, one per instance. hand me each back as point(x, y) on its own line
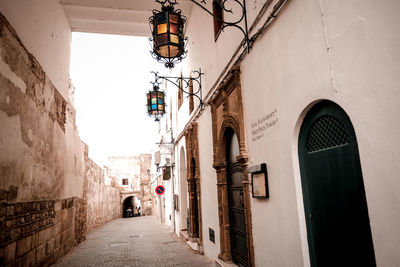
point(160, 101)
point(163, 51)
point(154, 106)
point(161, 39)
point(162, 18)
point(173, 28)
point(173, 18)
point(161, 28)
point(160, 94)
point(160, 107)
point(154, 101)
point(174, 38)
point(174, 51)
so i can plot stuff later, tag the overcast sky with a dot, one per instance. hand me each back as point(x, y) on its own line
point(111, 74)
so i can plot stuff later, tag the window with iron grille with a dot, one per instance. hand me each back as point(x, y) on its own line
point(327, 132)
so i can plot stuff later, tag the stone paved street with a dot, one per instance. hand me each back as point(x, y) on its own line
point(139, 241)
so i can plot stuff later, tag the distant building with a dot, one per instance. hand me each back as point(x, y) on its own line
point(133, 177)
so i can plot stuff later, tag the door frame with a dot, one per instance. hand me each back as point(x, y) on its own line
point(298, 178)
point(193, 180)
point(224, 117)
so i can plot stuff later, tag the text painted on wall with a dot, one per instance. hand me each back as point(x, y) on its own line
point(262, 124)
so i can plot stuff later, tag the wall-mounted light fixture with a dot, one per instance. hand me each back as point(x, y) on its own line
point(194, 79)
point(156, 102)
point(167, 27)
point(167, 33)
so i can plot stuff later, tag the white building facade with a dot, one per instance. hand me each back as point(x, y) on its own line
point(315, 98)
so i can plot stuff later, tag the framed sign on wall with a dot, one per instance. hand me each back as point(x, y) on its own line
point(259, 181)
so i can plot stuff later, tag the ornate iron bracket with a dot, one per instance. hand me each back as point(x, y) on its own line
point(242, 4)
point(186, 83)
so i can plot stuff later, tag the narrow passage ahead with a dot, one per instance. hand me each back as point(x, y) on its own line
point(139, 241)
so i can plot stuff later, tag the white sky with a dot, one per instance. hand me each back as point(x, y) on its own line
point(111, 74)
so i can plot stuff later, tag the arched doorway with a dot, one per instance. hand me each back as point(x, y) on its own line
point(237, 218)
point(333, 191)
point(128, 207)
point(183, 187)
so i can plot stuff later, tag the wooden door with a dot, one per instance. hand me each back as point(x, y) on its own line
point(335, 205)
point(237, 220)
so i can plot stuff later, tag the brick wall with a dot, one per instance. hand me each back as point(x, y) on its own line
point(38, 233)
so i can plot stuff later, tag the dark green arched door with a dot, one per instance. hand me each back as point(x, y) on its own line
point(335, 205)
point(237, 220)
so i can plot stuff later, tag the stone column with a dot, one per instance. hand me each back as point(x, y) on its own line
point(192, 208)
point(223, 212)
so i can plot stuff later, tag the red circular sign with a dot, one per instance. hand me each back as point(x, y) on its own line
point(160, 190)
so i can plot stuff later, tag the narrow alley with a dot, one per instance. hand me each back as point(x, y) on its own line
point(139, 241)
point(229, 133)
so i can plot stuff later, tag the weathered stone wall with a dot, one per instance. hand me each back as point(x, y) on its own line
point(42, 166)
point(145, 189)
point(41, 155)
point(103, 201)
point(135, 169)
point(38, 233)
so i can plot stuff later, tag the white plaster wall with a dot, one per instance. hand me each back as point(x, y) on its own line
point(345, 51)
point(168, 206)
point(181, 186)
point(208, 179)
point(358, 73)
point(44, 30)
point(290, 60)
point(365, 62)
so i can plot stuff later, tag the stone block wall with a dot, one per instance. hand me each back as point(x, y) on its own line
point(38, 233)
point(45, 183)
point(41, 155)
point(42, 167)
point(103, 201)
point(135, 168)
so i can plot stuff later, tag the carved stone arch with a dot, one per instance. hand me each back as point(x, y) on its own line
point(229, 123)
point(125, 202)
point(227, 113)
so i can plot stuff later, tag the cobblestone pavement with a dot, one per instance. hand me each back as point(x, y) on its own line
point(139, 241)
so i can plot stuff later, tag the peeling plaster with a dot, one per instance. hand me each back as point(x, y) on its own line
point(10, 75)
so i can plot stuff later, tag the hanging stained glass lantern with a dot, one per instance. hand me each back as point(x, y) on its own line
point(156, 103)
point(168, 39)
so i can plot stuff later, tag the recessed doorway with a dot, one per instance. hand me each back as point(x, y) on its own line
point(335, 204)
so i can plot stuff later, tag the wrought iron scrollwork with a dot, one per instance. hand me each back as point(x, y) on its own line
point(194, 79)
point(243, 17)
